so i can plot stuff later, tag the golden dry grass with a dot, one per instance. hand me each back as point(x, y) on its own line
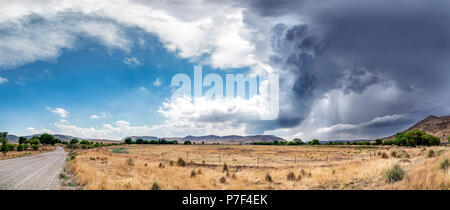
point(312, 167)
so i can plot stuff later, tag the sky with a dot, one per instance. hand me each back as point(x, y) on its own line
point(102, 69)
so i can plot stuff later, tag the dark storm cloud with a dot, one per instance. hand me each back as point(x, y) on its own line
point(352, 45)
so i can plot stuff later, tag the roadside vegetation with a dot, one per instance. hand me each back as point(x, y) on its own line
point(41, 143)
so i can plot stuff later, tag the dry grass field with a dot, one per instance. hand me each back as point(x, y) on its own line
point(259, 167)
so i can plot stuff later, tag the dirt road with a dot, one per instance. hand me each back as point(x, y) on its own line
point(37, 172)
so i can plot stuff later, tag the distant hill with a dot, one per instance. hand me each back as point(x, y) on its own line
point(436, 126)
point(141, 137)
point(14, 138)
point(231, 139)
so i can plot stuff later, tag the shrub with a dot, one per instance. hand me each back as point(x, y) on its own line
point(430, 153)
point(291, 176)
point(225, 168)
point(63, 176)
point(35, 146)
point(20, 147)
point(193, 173)
point(394, 174)
point(222, 180)
point(155, 186)
point(130, 162)
point(25, 146)
point(268, 178)
point(444, 165)
point(233, 176)
point(181, 162)
point(393, 154)
point(384, 155)
point(73, 156)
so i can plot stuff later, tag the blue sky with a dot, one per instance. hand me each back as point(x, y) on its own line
point(95, 85)
point(102, 69)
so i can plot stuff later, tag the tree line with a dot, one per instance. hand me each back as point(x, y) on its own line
point(129, 140)
point(410, 138)
point(45, 139)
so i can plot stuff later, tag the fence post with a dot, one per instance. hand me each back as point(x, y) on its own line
point(257, 161)
point(219, 159)
point(295, 159)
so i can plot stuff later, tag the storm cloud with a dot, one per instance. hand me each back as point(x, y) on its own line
point(351, 46)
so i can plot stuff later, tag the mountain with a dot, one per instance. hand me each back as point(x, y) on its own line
point(14, 138)
point(141, 137)
point(436, 126)
point(231, 139)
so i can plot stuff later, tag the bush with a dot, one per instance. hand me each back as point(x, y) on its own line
point(430, 153)
point(268, 178)
point(20, 147)
point(225, 168)
point(181, 162)
point(384, 155)
point(291, 176)
point(394, 174)
point(393, 154)
point(193, 173)
point(155, 186)
point(222, 180)
point(130, 162)
point(35, 146)
point(73, 156)
point(444, 165)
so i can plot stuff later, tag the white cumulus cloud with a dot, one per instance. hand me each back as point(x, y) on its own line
point(59, 111)
point(157, 82)
point(3, 80)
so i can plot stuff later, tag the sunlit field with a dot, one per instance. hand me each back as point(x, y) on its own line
point(195, 167)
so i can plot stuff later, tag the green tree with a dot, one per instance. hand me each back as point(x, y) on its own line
point(20, 147)
point(47, 139)
point(139, 141)
point(378, 142)
point(315, 142)
point(73, 141)
point(128, 140)
point(298, 141)
point(22, 140)
point(4, 141)
point(34, 141)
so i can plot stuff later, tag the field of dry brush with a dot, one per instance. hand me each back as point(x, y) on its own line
point(196, 167)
